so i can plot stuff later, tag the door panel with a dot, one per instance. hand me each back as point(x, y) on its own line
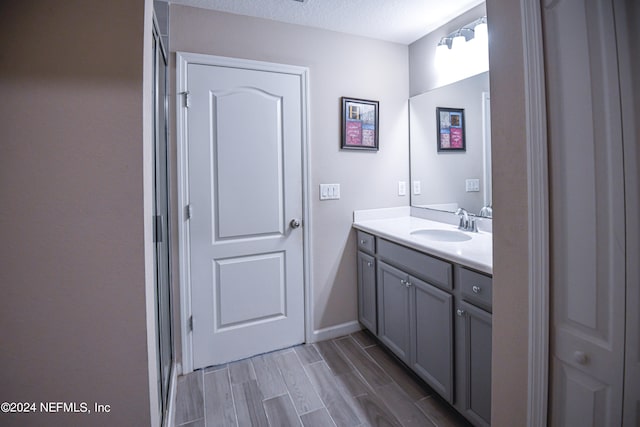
point(237, 277)
point(585, 398)
point(432, 330)
point(476, 372)
point(587, 213)
point(393, 310)
point(245, 185)
point(367, 305)
point(247, 174)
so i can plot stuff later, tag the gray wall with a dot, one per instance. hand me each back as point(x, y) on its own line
point(72, 309)
point(442, 174)
point(422, 70)
point(340, 65)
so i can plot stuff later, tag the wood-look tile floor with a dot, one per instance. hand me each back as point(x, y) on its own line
point(348, 381)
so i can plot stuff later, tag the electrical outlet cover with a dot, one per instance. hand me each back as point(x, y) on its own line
point(402, 188)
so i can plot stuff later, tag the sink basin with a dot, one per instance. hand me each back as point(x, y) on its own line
point(442, 235)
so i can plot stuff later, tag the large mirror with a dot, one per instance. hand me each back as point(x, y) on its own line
point(450, 179)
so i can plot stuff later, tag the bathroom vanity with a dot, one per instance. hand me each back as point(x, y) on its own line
point(424, 289)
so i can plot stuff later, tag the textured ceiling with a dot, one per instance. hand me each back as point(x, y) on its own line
point(400, 21)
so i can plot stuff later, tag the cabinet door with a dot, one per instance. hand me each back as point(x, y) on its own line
point(475, 346)
point(367, 311)
point(393, 309)
point(432, 335)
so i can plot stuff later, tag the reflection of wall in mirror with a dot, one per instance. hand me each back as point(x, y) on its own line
point(442, 175)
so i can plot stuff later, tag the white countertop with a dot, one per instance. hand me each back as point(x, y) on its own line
point(476, 253)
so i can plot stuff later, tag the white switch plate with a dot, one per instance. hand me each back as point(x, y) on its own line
point(329, 191)
point(402, 188)
point(416, 187)
point(472, 185)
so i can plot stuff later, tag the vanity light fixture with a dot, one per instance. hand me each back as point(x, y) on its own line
point(458, 38)
point(463, 52)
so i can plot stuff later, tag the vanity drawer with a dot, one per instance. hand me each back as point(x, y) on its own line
point(475, 287)
point(425, 267)
point(366, 242)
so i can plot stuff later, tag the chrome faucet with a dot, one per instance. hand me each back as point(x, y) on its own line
point(486, 211)
point(465, 223)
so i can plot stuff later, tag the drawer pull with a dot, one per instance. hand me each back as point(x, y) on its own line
point(460, 312)
point(476, 289)
point(363, 242)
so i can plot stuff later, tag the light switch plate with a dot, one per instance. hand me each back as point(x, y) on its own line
point(472, 185)
point(329, 191)
point(416, 187)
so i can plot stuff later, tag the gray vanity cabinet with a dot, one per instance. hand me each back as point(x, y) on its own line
point(393, 310)
point(367, 305)
point(438, 324)
point(432, 336)
point(474, 371)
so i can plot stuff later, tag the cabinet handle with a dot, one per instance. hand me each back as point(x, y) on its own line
point(476, 289)
point(369, 264)
point(363, 242)
point(460, 312)
point(406, 283)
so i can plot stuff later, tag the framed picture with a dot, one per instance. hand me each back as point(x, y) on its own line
point(450, 126)
point(359, 124)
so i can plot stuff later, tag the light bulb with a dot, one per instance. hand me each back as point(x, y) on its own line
point(481, 46)
point(458, 44)
point(442, 56)
point(481, 33)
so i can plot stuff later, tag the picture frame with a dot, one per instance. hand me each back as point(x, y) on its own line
point(359, 124)
point(450, 123)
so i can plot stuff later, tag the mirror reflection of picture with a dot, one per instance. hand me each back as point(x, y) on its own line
point(450, 129)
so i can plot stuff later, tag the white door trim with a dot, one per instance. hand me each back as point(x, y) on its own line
point(538, 229)
point(183, 59)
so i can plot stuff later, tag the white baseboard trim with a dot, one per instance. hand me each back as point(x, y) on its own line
point(335, 331)
point(170, 420)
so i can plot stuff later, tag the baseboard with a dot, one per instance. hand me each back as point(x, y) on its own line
point(170, 420)
point(336, 331)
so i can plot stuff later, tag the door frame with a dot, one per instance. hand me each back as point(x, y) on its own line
point(538, 220)
point(183, 59)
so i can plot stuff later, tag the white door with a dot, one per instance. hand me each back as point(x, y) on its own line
point(244, 137)
point(587, 214)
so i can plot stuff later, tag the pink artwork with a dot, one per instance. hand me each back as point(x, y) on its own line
point(354, 132)
point(456, 138)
